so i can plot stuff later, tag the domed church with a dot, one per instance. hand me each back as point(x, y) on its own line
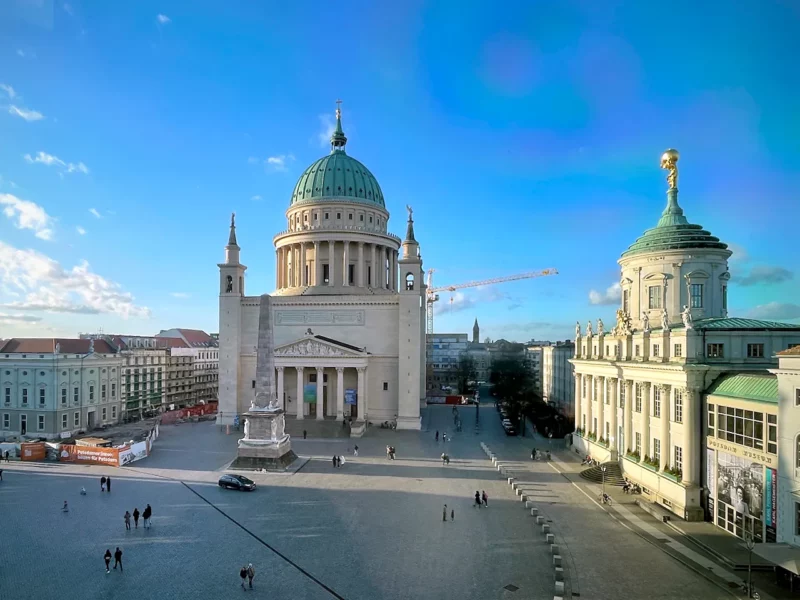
point(348, 307)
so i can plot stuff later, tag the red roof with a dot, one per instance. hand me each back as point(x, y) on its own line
point(794, 351)
point(196, 336)
point(47, 346)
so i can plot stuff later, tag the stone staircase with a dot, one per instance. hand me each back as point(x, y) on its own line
point(613, 475)
point(327, 428)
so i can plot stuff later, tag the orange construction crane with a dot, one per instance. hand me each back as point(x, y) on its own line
point(432, 296)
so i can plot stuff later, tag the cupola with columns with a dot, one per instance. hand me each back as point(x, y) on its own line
point(337, 241)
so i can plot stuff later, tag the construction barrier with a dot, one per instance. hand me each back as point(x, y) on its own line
point(33, 451)
point(170, 417)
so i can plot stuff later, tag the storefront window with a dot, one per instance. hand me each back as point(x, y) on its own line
point(740, 426)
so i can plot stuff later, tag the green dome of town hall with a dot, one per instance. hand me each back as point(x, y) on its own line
point(338, 176)
point(673, 230)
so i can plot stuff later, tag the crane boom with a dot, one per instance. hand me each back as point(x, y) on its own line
point(432, 296)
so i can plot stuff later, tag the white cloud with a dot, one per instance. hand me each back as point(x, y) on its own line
point(462, 301)
point(763, 274)
point(328, 126)
point(47, 286)
point(53, 161)
point(612, 295)
point(179, 294)
point(775, 310)
point(27, 215)
point(80, 230)
point(256, 198)
point(7, 319)
point(278, 163)
point(28, 115)
point(96, 213)
point(163, 19)
point(8, 90)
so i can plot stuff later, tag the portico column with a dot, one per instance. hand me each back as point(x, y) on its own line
point(339, 393)
point(690, 435)
point(393, 277)
point(331, 263)
point(626, 413)
point(362, 394)
point(665, 392)
point(589, 400)
point(373, 276)
point(360, 268)
point(300, 399)
point(320, 392)
point(613, 407)
point(578, 404)
point(646, 400)
point(303, 268)
point(346, 264)
point(384, 267)
point(279, 270)
point(601, 406)
point(297, 270)
point(317, 265)
point(280, 388)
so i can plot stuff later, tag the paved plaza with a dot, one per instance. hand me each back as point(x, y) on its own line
point(371, 530)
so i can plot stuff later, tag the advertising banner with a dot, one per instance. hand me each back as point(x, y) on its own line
point(350, 396)
point(33, 451)
point(310, 393)
point(89, 455)
point(771, 498)
point(740, 483)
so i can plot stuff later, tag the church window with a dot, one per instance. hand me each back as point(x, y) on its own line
point(326, 216)
point(326, 273)
point(370, 218)
point(654, 292)
point(361, 218)
point(696, 295)
point(351, 274)
point(385, 386)
point(409, 282)
point(305, 218)
point(316, 216)
point(625, 301)
point(338, 215)
point(339, 188)
point(724, 297)
point(350, 216)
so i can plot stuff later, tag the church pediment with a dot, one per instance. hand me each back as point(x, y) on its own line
point(315, 347)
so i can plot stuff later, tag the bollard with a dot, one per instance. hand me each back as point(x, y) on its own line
point(511, 481)
point(560, 588)
point(534, 511)
point(523, 497)
point(557, 560)
point(546, 528)
point(550, 538)
point(519, 491)
point(554, 549)
point(514, 484)
point(559, 574)
point(539, 520)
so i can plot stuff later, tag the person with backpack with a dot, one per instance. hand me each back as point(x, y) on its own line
point(148, 512)
point(251, 572)
point(243, 575)
point(136, 518)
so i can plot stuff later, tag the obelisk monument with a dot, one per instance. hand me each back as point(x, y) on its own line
point(265, 444)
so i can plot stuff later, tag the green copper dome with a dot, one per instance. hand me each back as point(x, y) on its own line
point(338, 176)
point(673, 232)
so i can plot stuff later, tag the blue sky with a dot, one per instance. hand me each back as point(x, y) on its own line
point(525, 137)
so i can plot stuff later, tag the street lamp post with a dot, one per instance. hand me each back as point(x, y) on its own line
point(603, 469)
point(751, 543)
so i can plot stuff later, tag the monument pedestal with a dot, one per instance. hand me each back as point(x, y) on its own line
point(265, 444)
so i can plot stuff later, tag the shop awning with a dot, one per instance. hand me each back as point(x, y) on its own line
point(782, 555)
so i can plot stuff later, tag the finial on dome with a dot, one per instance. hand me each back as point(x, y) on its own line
point(232, 235)
point(669, 161)
point(673, 213)
point(338, 139)
point(410, 228)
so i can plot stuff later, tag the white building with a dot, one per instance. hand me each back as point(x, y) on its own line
point(639, 387)
point(533, 359)
point(558, 377)
point(349, 334)
point(788, 497)
point(57, 387)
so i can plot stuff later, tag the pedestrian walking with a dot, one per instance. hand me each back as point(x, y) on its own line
point(103, 483)
point(8, 456)
point(118, 559)
point(83, 491)
point(65, 508)
point(341, 460)
point(478, 498)
point(355, 450)
point(127, 518)
point(108, 484)
point(148, 512)
point(444, 437)
point(107, 558)
point(485, 499)
point(243, 575)
point(533, 454)
point(452, 514)
point(444, 513)
point(305, 433)
point(1, 474)
point(136, 518)
point(251, 572)
point(334, 461)
point(437, 435)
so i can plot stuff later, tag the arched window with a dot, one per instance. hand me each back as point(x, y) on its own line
point(409, 282)
point(797, 452)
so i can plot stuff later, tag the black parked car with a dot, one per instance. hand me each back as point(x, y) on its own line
point(237, 482)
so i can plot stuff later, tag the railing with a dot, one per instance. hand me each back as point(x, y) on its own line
point(324, 228)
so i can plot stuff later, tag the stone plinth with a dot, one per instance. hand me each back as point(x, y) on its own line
point(265, 444)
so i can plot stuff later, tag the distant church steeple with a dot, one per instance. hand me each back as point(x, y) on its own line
point(476, 332)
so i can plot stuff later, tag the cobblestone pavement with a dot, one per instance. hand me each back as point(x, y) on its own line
point(371, 530)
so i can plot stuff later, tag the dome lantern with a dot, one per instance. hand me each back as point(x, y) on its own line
point(338, 139)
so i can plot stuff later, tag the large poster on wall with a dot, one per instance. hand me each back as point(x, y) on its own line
point(310, 393)
point(771, 504)
point(740, 483)
point(350, 396)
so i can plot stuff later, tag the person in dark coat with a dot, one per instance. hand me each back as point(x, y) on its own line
point(478, 498)
point(136, 518)
point(103, 483)
point(108, 483)
point(334, 461)
point(148, 512)
point(107, 558)
point(243, 575)
point(118, 559)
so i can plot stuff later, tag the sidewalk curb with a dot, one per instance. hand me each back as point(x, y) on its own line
point(724, 559)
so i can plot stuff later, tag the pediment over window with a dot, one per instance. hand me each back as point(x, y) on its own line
point(697, 274)
point(725, 276)
point(626, 282)
point(319, 346)
point(656, 277)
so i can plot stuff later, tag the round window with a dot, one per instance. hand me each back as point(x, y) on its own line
point(76, 372)
point(63, 372)
point(104, 370)
point(91, 370)
point(41, 373)
point(8, 372)
point(24, 372)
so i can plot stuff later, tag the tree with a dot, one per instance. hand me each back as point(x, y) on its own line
point(512, 383)
point(465, 372)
